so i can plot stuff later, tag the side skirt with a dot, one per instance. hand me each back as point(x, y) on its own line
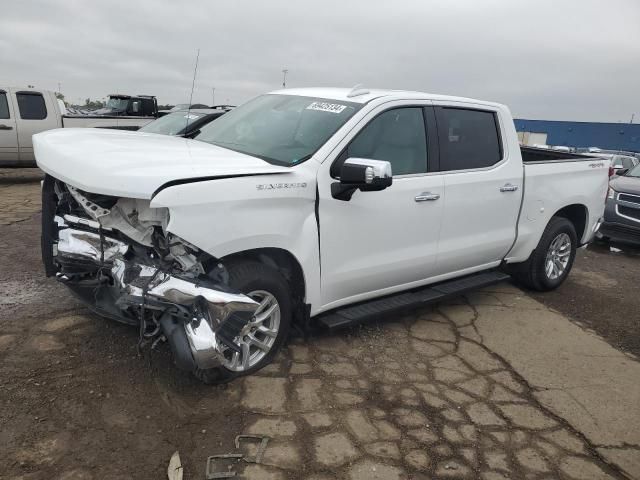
point(379, 307)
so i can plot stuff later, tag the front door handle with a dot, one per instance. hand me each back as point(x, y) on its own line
point(6, 127)
point(508, 188)
point(427, 197)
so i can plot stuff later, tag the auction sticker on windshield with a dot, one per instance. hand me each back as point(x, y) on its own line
point(327, 107)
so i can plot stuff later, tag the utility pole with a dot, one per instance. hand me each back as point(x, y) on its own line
point(284, 78)
point(213, 96)
point(58, 87)
point(632, 116)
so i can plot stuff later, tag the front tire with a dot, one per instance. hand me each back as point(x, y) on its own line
point(551, 261)
point(268, 330)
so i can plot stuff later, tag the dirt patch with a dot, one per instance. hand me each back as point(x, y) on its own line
point(601, 293)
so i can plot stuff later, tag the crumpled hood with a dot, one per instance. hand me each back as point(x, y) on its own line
point(135, 164)
point(626, 184)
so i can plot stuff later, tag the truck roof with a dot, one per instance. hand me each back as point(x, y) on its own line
point(342, 94)
point(124, 95)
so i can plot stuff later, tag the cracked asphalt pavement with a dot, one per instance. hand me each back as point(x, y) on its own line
point(492, 385)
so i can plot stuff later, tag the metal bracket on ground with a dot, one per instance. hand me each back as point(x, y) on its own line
point(211, 475)
point(264, 440)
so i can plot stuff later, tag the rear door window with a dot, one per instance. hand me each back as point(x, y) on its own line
point(4, 106)
point(31, 106)
point(148, 107)
point(468, 138)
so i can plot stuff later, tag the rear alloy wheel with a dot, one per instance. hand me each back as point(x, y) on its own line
point(558, 256)
point(261, 338)
point(551, 261)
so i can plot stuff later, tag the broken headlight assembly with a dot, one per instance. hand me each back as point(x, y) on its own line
point(117, 255)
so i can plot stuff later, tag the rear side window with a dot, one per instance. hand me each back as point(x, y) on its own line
point(624, 162)
point(4, 106)
point(31, 106)
point(468, 138)
point(147, 107)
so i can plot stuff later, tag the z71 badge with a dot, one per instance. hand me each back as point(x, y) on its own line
point(275, 186)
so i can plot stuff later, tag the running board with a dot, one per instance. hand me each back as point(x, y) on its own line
point(354, 314)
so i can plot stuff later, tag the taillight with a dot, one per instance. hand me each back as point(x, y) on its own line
point(611, 171)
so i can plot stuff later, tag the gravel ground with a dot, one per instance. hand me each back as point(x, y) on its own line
point(416, 397)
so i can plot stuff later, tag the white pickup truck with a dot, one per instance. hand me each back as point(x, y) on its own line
point(320, 205)
point(26, 111)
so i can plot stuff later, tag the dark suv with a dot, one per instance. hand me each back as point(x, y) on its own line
point(622, 214)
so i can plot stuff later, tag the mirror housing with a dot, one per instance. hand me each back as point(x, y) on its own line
point(361, 174)
point(620, 171)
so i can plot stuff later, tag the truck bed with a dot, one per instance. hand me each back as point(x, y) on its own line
point(103, 121)
point(555, 180)
point(537, 155)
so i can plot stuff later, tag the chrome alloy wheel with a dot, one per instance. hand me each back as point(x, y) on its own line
point(557, 257)
point(258, 336)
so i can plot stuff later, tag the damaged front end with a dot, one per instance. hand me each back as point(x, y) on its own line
point(117, 255)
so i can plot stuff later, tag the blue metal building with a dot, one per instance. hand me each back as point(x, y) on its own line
point(610, 136)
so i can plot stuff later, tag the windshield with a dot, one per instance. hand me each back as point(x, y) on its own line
point(280, 129)
point(117, 103)
point(634, 172)
point(171, 124)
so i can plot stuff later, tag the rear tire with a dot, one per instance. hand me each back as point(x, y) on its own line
point(551, 261)
point(266, 285)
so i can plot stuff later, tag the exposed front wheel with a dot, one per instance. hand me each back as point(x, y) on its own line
point(551, 261)
point(261, 338)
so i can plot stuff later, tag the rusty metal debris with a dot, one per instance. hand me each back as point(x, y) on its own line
point(264, 440)
point(211, 460)
point(211, 475)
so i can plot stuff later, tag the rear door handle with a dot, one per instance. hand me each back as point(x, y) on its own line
point(427, 197)
point(508, 188)
point(6, 127)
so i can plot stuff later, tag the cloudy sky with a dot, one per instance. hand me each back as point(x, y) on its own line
point(548, 59)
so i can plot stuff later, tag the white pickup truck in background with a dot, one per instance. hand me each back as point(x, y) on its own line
point(324, 205)
point(26, 111)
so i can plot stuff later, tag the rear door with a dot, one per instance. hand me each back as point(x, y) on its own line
point(8, 131)
point(33, 117)
point(483, 187)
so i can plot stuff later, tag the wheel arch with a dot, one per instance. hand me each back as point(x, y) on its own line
point(282, 260)
point(578, 215)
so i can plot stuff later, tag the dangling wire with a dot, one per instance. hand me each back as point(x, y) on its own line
point(143, 311)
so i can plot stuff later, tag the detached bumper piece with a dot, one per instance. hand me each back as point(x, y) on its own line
point(199, 318)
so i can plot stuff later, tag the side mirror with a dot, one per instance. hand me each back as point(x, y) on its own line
point(620, 171)
point(361, 174)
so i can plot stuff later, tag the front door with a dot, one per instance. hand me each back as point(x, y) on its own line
point(8, 132)
point(483, 188)
point(385, 241)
